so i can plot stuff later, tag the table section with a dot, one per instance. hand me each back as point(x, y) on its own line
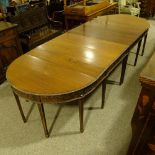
point(73, 65)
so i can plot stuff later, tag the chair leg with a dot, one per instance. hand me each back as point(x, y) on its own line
point(144, 43)
point(81, 115)
point(20, 107)
point(43, 119)
point(103, 93)
point(137, 53)
point(124, 63)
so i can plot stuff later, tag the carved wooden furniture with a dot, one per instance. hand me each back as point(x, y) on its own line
point(62, 71)
point(35, 28)
point(143, 121)
point(10, 48)
point(84, 11)
point(147, 8)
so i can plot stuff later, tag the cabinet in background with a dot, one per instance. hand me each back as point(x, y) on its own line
point(10, 47)
point(147, 8)
point(143, 120)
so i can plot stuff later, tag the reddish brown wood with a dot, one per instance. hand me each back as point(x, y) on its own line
point(143, 121)
point(20, 107)
point(81, 115)
point(103, 93)
point(124, 62)
point(144, 43)
point(137, 53)
point(147, 8)
point(35, 27)
point(62, 71)
point(82, 13)
point(43, 118)
point(10, 47)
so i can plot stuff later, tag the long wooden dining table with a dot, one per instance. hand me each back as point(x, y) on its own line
point(73, 65)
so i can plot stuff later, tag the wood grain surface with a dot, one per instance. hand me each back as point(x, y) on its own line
point(74, 62)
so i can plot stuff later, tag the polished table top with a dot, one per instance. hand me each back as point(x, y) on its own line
point(76, 60)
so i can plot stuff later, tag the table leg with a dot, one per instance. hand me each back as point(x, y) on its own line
point(137, 53)
point(66, 24)
point(81, 115)
point(43, 119)
point(145, 38)
point(124, 62)
point(103, 93)
point(20, 107)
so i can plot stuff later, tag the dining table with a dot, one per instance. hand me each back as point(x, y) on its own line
point(73, 65)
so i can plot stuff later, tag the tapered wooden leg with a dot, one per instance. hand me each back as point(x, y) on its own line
point(43, 119)
point(137, 53)
point(66, 24)
point(123, 69)
point(20, 107)
point(103, 93)
point(81, 115)
point(144, 43)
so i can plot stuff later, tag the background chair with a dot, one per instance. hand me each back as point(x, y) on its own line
point(129, 7)
point(55, 10)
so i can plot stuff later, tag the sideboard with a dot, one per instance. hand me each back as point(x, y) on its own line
point(143, 121)
point(10, 47)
